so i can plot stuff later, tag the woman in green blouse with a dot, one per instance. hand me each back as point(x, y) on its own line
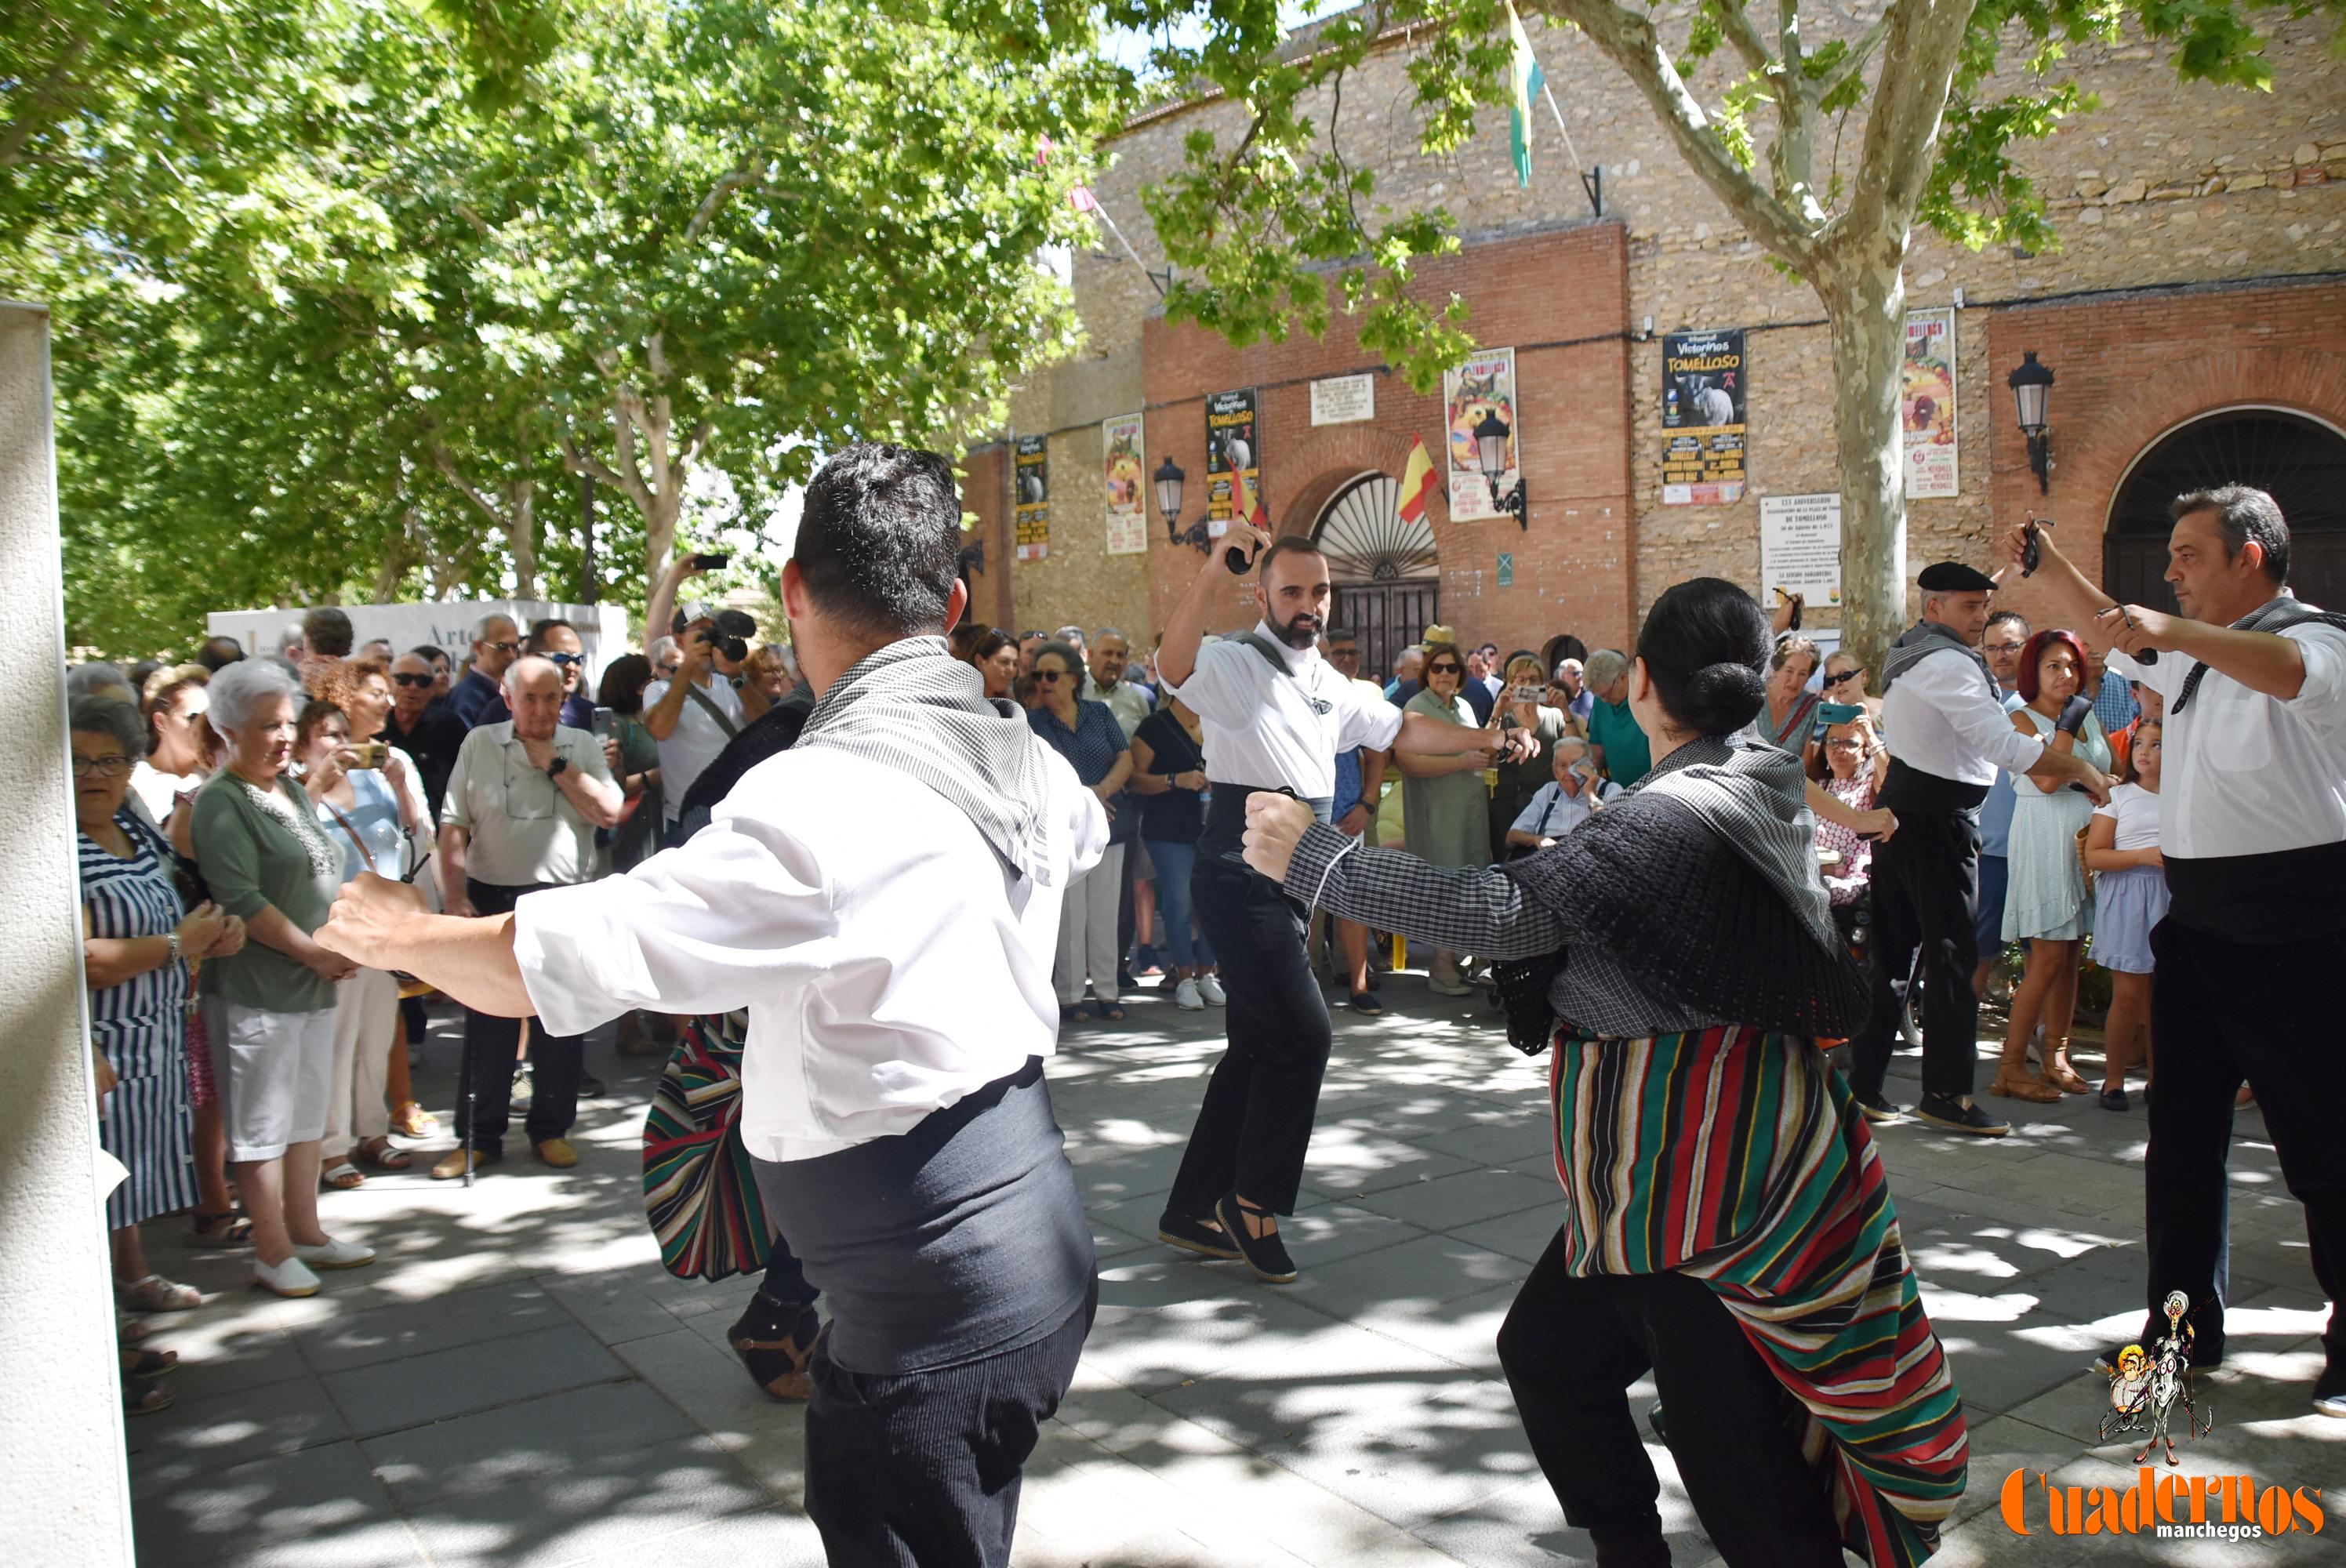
point(1444, 800)
point(269, 1009)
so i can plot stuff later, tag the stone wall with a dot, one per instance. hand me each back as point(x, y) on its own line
point(2163, 183)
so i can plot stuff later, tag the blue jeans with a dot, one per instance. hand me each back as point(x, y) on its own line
point(1173, 865)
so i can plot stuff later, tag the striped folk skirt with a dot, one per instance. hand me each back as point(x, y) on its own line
point(145, 1122)
point(1737, 1157)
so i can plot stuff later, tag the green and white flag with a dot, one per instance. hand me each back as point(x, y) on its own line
point(1530, 82)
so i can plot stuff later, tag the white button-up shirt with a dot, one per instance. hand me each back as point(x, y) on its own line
point(523, 828)
point(1948, 723)
point(1267, 729)
point(2247, 774)
point(890, 962)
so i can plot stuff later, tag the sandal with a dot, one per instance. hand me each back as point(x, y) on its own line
point(1108, 1010)
point(128, 1331)
point(412, 1121)
point(141, 1398)
point(220, 1230)
point(2061, 1075)
point(2034, 1090)
point(157, 1294)
point(1071, 1016)
point(150, 1363)
point(385, 1154)
point(341, 1176)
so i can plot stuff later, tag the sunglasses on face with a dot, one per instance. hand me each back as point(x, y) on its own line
point(567, 661)
point(408, 679)
point(503, 647)
point(1049, 674)
point(1845, 675)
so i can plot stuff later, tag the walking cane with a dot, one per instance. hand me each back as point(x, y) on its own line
point(472, 1102)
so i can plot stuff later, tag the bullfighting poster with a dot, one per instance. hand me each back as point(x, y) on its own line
point(1126, 470)
point(1484, 385)
point(1926, 403)
point(1704, 391)
point(1230, 447)
point(1032, 507)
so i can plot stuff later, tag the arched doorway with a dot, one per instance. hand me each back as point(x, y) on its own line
point(2301, 462)
point(1387, 583)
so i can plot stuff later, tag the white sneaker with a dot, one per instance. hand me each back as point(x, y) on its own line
point(1186, 997)
point(291, 1278)
point(1211, 990)
point(336, 1254)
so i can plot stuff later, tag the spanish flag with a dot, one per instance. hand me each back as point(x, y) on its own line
point(1530, 82)
point(1416, 480)
point(1245, 503)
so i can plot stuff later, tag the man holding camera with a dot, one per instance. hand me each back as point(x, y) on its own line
point(1274, 715)
point(523, 804)
point(706, 704)
point(1942, 702)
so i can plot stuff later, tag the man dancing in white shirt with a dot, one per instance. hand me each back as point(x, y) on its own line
point(1274, 714)
point(883, 899)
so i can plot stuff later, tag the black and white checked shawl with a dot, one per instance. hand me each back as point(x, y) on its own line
point(914, 707)
point(1662, 930)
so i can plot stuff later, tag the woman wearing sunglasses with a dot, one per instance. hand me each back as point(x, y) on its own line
point(1443, 800)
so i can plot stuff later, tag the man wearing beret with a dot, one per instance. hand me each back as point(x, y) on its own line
point(1942, 703)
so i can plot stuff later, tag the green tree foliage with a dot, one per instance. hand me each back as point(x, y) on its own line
point(442, 262)
point(1274, 227)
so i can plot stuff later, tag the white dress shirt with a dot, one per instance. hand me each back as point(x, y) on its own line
point(695, 741)
point(1266, 729)
point(1550, 813)
point(2247, 774)
point(891, 960)
point(1949, 724)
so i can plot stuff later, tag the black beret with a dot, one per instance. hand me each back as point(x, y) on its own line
point(1954, 577)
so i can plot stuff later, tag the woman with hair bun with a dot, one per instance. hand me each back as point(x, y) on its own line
point(1727, 1226)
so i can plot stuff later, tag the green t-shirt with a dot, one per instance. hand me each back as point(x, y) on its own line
point(252, 858)
point(1627, 757)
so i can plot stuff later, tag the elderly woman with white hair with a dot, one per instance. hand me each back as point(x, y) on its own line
point(269, 1009)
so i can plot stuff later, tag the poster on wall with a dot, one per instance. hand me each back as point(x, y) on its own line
point(1231, 448)
point(1926, 403)
point(1032, 508)
point(1799, 547)
point(1484, 385)
point(1127, 472)
point(1704, 391)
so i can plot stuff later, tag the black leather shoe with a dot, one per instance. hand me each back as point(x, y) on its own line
point(1265, 1253)
point(1946, 1111)
point(1193, 1235)
point(1877, 1108)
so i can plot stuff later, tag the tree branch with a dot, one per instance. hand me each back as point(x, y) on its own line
point(745, 173)
point(1854, 62)
point(1919, 50)
point(1629, 41)
point(446, 463)
point(39, 102)
point(1793, 157)
point(1737, 23)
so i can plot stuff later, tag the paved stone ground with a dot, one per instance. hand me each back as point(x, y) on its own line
point(517, 1382)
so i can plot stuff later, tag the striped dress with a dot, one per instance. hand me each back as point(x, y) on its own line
point(140, 1025)
point(1737, 1157)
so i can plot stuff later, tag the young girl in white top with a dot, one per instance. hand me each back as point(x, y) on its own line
point(2122, 848)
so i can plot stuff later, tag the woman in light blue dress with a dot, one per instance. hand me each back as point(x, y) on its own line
point(2047, 902)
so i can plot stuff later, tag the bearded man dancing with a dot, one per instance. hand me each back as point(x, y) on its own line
point(1274, 715)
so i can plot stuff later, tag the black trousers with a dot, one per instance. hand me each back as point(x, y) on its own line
point(1255, 1121)
point(1572, 1347)
point(2221, 1012)
point(493, 1045)
point(923, 1470)
point(1925, 896)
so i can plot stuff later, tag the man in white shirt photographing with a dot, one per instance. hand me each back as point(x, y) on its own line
point(883, 899)
point(1274, 714)
point(1942, 702)
point(2251, 961)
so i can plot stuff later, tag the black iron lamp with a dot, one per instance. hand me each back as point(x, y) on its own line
point(973, 556)
point(2031, 393)
point(1491, 453)
point(1170, 480)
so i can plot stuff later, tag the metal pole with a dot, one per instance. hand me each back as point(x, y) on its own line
point(1596, 200)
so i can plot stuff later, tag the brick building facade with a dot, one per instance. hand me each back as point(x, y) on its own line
point(2195, 318)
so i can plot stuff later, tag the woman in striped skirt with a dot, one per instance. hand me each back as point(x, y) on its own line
point(138, 938)
point(1727, 1225)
